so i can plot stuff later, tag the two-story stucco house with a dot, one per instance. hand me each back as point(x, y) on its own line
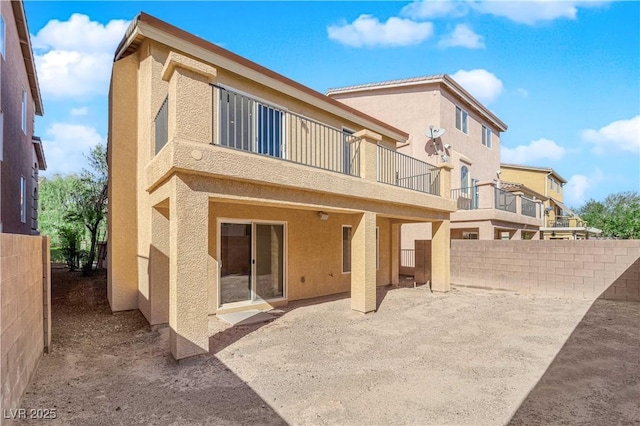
point(21, 153)
point(424, 106)
point(560, 222)
point(233, 187)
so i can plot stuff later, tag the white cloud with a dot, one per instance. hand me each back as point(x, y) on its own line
point(532, 12)
point(541, 149)
point(462, 36)
point(578, 188)
point(434, 9)
point(368, 31)
point(622, 135)
point(65, 146)
point(528, 12)
point(76, 112)
point(575, 190)
point(482, 84)
point(74, 57)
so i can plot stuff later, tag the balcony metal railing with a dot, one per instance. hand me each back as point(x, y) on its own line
point(566, 222)
point(162, 125)
point(408, 258)
point(466, 198)
point(528, 207)
point(505, 200)
point(248, 124)
point(395, 168)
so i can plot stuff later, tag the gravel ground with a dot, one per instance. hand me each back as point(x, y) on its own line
point(465, 357)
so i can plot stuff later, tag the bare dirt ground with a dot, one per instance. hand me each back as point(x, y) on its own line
point(465, 357)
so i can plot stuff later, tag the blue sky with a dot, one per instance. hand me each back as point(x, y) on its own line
point(564, 76)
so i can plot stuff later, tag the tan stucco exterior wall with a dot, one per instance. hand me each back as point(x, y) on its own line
point(25, 299)
point(170, 201)
point(313, 249)
point(122, 158)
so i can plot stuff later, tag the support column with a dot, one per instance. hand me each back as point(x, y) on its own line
point(445, 180)
point(440, 256)
point(395, 253)
point(190, 98)
point(517, 234)
point(363, 264)
point(188, 272)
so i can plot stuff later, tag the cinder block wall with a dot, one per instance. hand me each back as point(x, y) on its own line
point(24, 302)
point(588, 269)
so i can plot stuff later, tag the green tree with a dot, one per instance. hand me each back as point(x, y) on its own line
point(618, 216)
point(88, 200)
point(54, 201)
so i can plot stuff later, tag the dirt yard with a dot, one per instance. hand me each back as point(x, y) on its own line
point(465, 357)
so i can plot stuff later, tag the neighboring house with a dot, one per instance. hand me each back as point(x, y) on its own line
point(235, 188)
point(471, 143)
point(21, 153)
point(560, 222)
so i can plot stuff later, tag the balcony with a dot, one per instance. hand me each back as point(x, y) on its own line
point(487, 202)
point(566, 222)
point(268, 144)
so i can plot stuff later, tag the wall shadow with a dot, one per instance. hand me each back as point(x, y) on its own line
point(595, 377)
point(115, 369)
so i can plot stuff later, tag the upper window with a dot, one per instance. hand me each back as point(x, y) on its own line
point(553, 183)
point(462, 120)
point(346, 249)
point(2, 36)
point(23, 199)
point(486, 136)
point(24, 111)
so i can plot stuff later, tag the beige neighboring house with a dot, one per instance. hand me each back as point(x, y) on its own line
point(471, 143)
point(560, 222)
point(235, 188)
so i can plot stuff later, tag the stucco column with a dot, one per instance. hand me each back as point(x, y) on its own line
point(395, 253)
point(363, 264)
point(518, 195)
point(368, 154)
point(517, 234)
point(445, 179)
point(440, 256)
point(190, 98)
point(188, 272)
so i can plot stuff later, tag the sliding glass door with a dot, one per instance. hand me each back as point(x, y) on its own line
point(252, 262)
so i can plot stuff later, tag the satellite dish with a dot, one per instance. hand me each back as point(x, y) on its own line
point(434, 132)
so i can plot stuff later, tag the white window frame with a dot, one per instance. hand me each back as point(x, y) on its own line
point(464, 120)
point(23, 199)
point(24, 112)
point(486, 136)
point(342, 245)
point(3, 37)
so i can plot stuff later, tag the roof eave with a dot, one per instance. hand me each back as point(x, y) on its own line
point(27, 54)
point(443, 79)
point(147, 26)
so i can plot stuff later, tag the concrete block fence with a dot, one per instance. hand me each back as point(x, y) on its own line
point(589, 269)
